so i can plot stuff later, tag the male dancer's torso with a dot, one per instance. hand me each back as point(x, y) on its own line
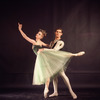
point(57, 44)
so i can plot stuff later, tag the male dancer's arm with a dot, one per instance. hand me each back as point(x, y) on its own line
point(59, 45)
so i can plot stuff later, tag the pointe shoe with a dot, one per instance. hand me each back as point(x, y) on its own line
point(80, 53)
point(54, 94)
point(74, 96)
point(46, 93)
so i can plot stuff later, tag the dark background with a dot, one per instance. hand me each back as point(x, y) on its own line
point(80, 21)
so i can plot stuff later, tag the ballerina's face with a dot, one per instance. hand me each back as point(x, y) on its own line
point(39, 35)
point(58, 33)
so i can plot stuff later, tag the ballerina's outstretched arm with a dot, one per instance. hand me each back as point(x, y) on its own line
point(46, 45)
point(25, 36)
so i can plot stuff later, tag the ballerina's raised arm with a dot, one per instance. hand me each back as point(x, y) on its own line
point(24, 35)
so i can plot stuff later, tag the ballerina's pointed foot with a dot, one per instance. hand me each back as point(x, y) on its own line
point(74, 96)
point(53, 94)
point(46, 93)
point(80, 53)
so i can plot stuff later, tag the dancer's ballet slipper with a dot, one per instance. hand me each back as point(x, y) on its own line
point(74, 96)
point(46, 93)
point(80, 53)
point(53, 94)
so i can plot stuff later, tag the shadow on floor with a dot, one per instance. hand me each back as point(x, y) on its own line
point(37, 94)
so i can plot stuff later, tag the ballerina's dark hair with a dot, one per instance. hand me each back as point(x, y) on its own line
point(43, 32)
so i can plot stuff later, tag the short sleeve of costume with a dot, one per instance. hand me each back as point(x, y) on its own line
point(59, 45)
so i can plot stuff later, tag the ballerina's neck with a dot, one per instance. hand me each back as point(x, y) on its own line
point(38, 40)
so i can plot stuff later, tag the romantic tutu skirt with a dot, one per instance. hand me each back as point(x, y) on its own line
point(48, 64)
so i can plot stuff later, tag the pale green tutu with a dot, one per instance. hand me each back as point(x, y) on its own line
point(48, 64)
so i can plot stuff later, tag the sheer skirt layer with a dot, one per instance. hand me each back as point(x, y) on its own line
point(48, 64)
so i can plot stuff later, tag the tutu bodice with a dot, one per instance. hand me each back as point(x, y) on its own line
point(35, 48)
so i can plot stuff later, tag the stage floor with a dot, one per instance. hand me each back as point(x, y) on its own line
point(37, 94)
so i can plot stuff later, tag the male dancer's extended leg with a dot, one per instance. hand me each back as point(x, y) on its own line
point(67, 82)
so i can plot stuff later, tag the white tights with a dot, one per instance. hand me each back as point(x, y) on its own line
point(66, 81)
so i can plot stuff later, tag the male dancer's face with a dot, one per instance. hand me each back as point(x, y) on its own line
point(58, 33)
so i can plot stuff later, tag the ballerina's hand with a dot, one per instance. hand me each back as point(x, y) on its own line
point(19, 26)
point(40, 50)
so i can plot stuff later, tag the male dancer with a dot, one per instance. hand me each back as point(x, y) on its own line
point(58, 44)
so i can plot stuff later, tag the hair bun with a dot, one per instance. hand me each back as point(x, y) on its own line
point(43, 32)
